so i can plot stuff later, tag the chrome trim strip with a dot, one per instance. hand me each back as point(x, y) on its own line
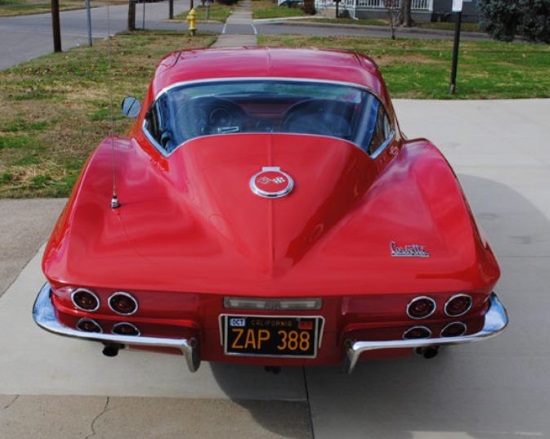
point(321, 330)
point(385, 143)
point(267, 79)
point(496, 319)
point(151, 139)
point(44, 315)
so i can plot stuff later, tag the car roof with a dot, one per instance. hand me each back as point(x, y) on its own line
point(268, 62)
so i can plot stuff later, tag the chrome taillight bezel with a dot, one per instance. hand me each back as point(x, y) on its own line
point(120, 324)
point(429, 314)
point(458, 296)
point(87, 320)
point(415, 328)
point(462, 325)
point(85, 291)
point(127, 295)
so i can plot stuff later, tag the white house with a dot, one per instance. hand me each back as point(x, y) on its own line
point(422, 10)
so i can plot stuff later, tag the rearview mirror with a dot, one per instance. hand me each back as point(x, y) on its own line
point(131, 107)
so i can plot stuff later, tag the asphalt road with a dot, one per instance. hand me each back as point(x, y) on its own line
point(27, 37)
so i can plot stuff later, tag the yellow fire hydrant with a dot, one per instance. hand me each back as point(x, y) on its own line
point(192, 19)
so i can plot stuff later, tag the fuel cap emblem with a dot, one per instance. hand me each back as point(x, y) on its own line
point(271, 182)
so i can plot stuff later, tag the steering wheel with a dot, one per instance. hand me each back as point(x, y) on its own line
point(209, 115)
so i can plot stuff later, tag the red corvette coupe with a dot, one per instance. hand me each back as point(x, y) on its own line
point(266, 209)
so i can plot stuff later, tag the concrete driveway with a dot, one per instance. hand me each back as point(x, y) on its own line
point(53, 387)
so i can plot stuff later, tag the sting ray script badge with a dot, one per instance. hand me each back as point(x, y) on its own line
point(271, 182)
point(408, 251)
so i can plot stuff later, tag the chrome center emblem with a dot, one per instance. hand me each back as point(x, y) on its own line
point(271, 182)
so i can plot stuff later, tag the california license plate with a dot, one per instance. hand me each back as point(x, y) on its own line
point(271, 336)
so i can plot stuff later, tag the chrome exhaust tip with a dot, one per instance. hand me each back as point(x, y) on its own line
point(428, 352)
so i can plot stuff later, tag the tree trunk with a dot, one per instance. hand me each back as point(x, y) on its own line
point(309, 7)
point(132, 15)
point(405, 15)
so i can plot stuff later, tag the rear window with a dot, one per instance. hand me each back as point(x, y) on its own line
point(187, 111)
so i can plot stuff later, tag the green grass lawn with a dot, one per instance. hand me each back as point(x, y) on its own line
point(421, 68)
point(446, 26)
point(54, 110)
point(262, 9)
point(208, 12)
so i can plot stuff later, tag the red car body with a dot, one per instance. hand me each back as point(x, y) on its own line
point(260, 243)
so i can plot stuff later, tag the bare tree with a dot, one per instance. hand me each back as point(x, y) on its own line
point(392, 6)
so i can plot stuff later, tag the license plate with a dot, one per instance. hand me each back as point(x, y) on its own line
point(271, 336)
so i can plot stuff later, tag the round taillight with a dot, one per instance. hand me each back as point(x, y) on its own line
point(421, 307)
point(125, 328)
point(458, 305)
point(455, 329)
point(85, 300)
point(123, 304)
point(88, 325)
point(417, 332)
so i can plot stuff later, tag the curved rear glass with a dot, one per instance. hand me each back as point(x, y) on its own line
point(187, 111)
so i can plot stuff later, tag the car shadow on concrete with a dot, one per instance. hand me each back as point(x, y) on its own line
point(279, 401)
point(496, 388)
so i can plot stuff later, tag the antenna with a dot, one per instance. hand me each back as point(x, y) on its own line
point(115, 204)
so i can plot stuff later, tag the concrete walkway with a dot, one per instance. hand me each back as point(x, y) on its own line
point(239, 28)
point(24, 226)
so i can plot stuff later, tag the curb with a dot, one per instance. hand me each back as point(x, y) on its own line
point(399, 30)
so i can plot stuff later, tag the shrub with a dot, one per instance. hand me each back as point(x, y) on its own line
point(535, 24)
point(500, 18)
point(503, 19)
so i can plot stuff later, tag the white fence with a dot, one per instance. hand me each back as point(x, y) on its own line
point(417, 5)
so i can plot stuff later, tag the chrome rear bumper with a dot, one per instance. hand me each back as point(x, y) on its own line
point(44, 315)
point(496, 320)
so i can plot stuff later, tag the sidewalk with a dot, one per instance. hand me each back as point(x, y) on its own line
point(24, 227)
point(239, 28)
